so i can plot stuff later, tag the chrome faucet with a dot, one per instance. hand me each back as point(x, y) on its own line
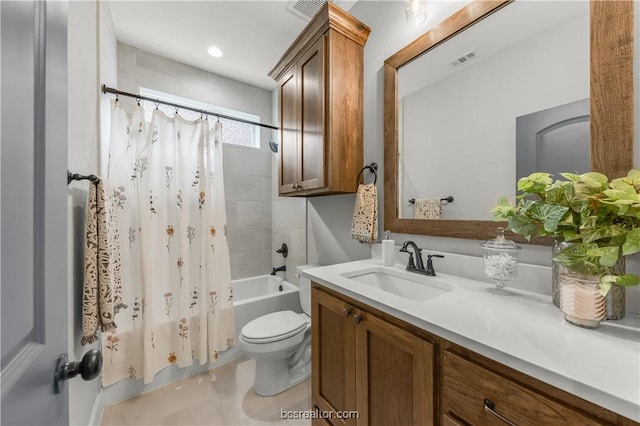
point(418, 266)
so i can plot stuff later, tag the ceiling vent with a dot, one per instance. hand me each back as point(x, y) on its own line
point(305, 9)
point(462, 59)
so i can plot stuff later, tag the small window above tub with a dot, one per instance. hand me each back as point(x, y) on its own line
point(234, 132)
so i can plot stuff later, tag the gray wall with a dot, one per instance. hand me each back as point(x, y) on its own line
point(83, 80)
point(247, 171)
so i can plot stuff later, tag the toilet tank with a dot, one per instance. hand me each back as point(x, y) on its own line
point(305, 289)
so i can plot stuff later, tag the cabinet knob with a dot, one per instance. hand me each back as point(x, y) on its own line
point(346, 312)
point(357, 319)
point(490, 408)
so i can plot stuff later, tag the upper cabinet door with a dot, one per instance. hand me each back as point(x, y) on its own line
point(289, 174)
point(312, 78)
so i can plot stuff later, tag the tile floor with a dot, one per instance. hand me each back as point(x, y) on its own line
point(221, 396)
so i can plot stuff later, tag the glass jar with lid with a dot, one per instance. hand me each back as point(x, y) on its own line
point(500, 261)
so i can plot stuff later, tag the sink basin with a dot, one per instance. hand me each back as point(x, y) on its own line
point(400, 283)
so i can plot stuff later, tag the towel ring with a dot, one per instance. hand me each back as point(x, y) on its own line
point(373, 168)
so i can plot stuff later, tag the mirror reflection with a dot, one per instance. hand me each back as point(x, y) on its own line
point(458, 105)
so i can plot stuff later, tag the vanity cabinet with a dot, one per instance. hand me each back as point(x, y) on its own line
point(363, 363)
point(394, 373)
point(320, 93)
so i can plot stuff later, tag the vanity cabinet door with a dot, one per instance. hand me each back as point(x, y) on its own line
point(394, 374)
point(333, 355)
point(381, 373)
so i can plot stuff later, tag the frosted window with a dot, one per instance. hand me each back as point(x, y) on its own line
point(233, 132)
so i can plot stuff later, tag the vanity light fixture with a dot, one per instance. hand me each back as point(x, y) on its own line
point(215, 51)
point(415, 13)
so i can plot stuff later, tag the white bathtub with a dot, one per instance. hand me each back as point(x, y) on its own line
point(261, 295)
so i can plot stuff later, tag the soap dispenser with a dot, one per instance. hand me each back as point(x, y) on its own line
point(388, 250)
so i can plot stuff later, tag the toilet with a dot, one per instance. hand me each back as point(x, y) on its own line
point(280, 342)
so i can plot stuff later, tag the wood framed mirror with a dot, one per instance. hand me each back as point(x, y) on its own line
point(611, 106)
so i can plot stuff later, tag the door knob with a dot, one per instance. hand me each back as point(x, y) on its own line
point(357, 319)
point(346, 312)
point(88, 368)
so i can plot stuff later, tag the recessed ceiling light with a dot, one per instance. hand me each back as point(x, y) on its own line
point(215, 51)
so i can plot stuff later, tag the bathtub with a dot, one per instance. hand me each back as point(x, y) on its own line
point(261, 295)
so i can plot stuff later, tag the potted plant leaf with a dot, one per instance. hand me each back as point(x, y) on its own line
point(595, 221)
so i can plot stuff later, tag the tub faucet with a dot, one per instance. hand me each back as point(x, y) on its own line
point(282, 268)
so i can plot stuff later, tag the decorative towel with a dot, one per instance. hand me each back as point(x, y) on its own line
point(365, 214)
point(427, 208)
point(102, 293)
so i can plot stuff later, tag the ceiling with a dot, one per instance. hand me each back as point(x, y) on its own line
point(252, 34)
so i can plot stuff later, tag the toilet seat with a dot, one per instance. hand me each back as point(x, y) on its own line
point(273, 327)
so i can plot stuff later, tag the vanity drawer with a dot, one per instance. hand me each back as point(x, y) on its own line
point(479, 396)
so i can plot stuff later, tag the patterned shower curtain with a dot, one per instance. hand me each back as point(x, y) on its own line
point(176, 279)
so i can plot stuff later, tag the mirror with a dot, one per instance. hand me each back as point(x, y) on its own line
point(422, 145)
point(465, 95)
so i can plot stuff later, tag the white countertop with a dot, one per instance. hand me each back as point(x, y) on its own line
point(524, 331)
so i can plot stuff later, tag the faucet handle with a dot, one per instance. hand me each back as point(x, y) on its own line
point(429, 268)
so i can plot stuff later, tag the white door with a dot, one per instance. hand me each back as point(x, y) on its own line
point(34, 210)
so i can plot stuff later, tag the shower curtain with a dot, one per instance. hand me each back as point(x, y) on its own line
point(176, 279)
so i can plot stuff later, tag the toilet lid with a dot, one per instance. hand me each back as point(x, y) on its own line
point(273, 327)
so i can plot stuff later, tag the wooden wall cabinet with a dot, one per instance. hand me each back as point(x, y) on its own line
point(320, 94)
point(394, 373)
point(365, 364)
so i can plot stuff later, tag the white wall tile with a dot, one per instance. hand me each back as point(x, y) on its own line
point(251, 161)
point(254, 213)
point(241, 187)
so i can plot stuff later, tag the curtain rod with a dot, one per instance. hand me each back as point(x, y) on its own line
point(117, 92)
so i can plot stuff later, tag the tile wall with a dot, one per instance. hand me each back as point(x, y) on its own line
point(247, 171)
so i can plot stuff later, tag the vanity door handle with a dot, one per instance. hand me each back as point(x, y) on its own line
point(346, 312)
point(357, 319)
point(490, 408)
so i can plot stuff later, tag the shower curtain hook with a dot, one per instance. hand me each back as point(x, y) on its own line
point(138, 99)
point(156, 103)
point(117, 98)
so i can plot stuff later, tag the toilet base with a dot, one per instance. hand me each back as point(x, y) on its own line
point(273, 377)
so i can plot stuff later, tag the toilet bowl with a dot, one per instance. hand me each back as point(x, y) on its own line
point(280, 342)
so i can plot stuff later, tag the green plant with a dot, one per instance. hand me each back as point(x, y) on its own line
point(600, 218)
